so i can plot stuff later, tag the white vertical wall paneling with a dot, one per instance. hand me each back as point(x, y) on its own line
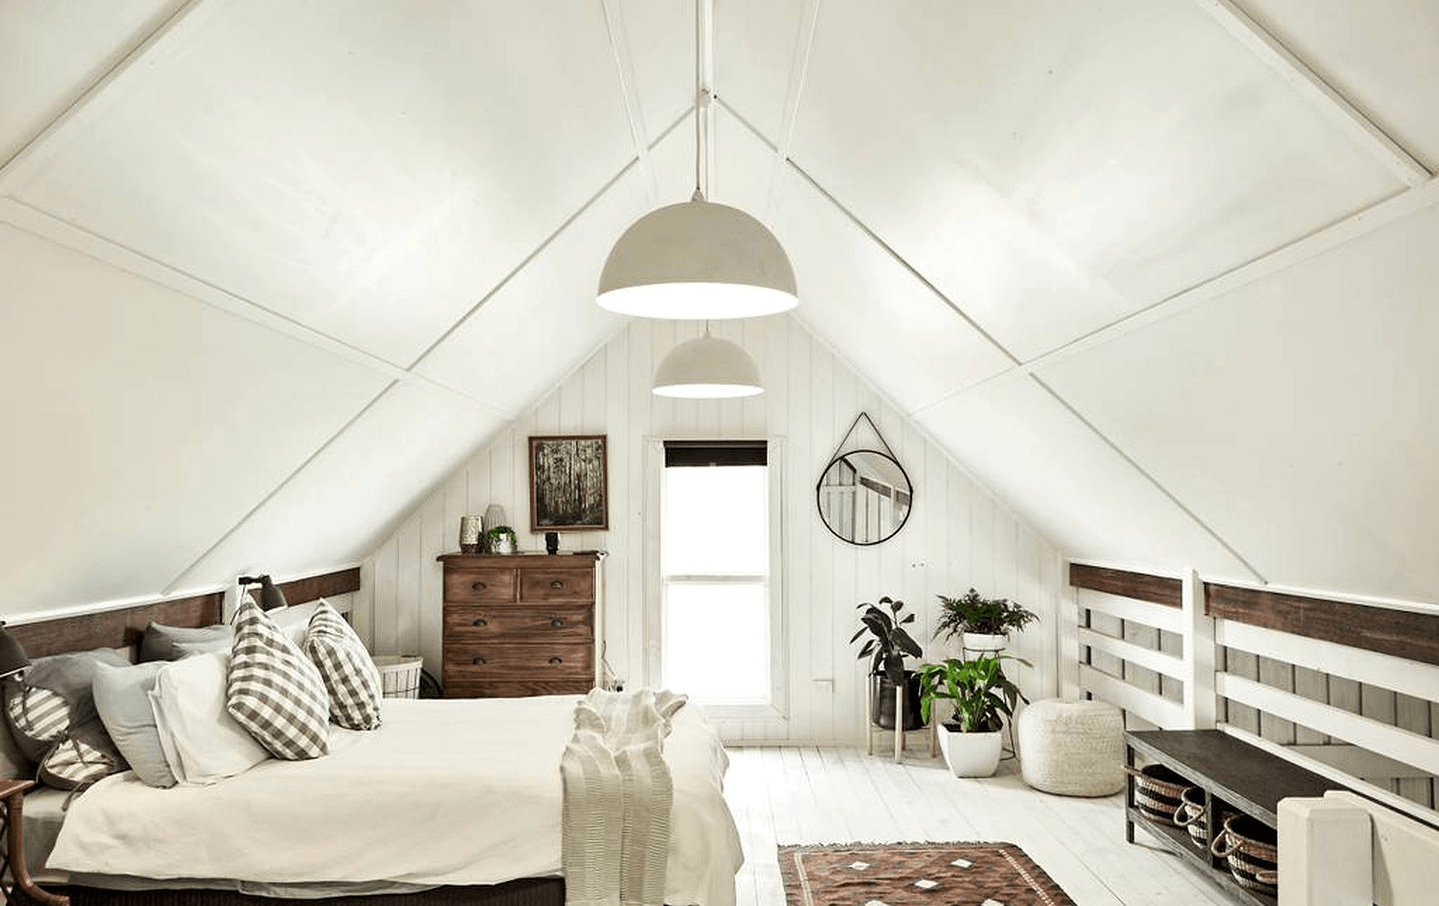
point(957, 536)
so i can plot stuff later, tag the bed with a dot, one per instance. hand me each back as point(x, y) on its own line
point(456, 800)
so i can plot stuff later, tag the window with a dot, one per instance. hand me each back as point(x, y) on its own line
point(715, 570)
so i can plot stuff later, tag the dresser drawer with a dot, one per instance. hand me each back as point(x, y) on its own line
point(469, 688)
point(477, 586)
point(557, 585)
point(564, 623)
point(516, 661)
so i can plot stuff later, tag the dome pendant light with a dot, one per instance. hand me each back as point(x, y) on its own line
point(697, 259)
point(707, 368)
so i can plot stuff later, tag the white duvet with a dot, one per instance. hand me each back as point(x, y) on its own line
point(459, 791)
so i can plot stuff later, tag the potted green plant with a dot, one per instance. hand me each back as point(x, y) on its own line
point(887, 646)
point(983, 698)
point(983, 624)
point(501, 540)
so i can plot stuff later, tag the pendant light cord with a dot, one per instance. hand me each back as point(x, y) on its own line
point(702, 100)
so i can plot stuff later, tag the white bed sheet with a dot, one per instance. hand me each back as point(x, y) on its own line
point(459, 791)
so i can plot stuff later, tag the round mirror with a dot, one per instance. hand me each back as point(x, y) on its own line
point(864, 496)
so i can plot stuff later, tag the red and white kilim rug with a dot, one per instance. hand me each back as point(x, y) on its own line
point(916, 874)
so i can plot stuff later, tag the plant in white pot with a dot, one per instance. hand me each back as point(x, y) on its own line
point(982, 624)
point(983, 697)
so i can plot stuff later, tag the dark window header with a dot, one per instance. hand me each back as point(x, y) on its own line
point(715, 453)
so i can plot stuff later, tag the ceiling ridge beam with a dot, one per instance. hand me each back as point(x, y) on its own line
point(1311, 245)
point(44, 225)
point(84, 103)
point(629, 97)
point(794, 92)
point(1327, 99)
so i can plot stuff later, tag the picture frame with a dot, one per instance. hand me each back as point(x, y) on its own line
point(569, 483)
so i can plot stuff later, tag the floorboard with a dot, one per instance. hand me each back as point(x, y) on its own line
point(839, 795)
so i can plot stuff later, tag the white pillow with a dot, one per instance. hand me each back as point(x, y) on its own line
point(201, 741)
point(295, 619)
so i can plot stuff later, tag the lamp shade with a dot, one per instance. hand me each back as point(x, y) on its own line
point(271, 597)
point(707, 368)
point(12, 654)
point(697, 260)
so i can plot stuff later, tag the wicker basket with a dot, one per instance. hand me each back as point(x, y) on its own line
point(1158, 792)
point(1190, 815)
point(399, 674)
point(1251, 849)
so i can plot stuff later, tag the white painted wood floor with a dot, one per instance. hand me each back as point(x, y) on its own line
point(839, 795)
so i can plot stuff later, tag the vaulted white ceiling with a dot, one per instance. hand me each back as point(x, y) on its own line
point(1162, 272)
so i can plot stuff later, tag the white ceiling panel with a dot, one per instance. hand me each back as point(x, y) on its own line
point(660, 38)
point(1069, 484)
point(1054, 165)
point(876, 314)
point(1380, 54)
point(1299, 415)
point(755, 57)
point(139, 424)
point(544, 321)
point(338, 507)
point(51, 52)
point(370, 170)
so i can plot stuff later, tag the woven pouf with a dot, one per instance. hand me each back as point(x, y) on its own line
point(1073, 748)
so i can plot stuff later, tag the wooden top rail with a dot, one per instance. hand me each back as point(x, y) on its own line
point(124, 626)
point(1139, 586)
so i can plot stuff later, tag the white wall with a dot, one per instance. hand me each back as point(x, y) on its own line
point(958, 535)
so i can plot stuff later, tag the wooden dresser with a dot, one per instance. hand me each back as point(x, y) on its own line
point(522, 624)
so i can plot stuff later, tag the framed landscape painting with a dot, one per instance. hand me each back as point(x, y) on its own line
point(569, 483)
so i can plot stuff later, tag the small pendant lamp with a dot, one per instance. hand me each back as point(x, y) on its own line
point(707, 368)
point(697, 259)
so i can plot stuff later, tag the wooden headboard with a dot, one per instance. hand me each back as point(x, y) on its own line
point(118, 628)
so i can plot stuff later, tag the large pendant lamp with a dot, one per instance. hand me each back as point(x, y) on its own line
point(707, 368)
point(697, 260)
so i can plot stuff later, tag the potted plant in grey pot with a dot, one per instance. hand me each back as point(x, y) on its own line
point(887, 646)
point(983, 698)
point(983, 624)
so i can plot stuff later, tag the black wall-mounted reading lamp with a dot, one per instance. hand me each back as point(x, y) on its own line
point(270, 595)
point(12, 654)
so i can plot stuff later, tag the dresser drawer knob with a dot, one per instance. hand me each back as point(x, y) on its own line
point(558, 622)
point(557, 584)
point(480, 621)
point(557, 660)
point(479, 586)
point(477, 659)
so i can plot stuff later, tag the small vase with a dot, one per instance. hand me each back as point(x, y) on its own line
point(970, 754)
point(470, 527)
point(494, 516)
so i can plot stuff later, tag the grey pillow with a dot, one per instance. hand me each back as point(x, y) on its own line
point(158, 642)
point(122, 698)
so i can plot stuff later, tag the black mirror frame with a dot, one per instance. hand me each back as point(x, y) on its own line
point(820, 484)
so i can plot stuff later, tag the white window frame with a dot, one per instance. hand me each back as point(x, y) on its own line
point(777, 708)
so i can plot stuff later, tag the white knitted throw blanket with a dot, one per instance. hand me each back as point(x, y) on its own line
point(617, 799)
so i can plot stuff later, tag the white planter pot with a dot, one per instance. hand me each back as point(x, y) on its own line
point(982, 643)
point(970, 754)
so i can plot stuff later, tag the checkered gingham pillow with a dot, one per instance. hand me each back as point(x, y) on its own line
point(349, 673)
point(274, 691)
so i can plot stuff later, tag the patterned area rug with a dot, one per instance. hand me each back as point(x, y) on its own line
point(911, 874)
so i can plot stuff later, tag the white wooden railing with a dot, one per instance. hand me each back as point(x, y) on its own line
point(1178, 668)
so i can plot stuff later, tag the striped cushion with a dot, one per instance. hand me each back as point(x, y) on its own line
point(351, 677)
point(273, 690)
point(38, 713)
